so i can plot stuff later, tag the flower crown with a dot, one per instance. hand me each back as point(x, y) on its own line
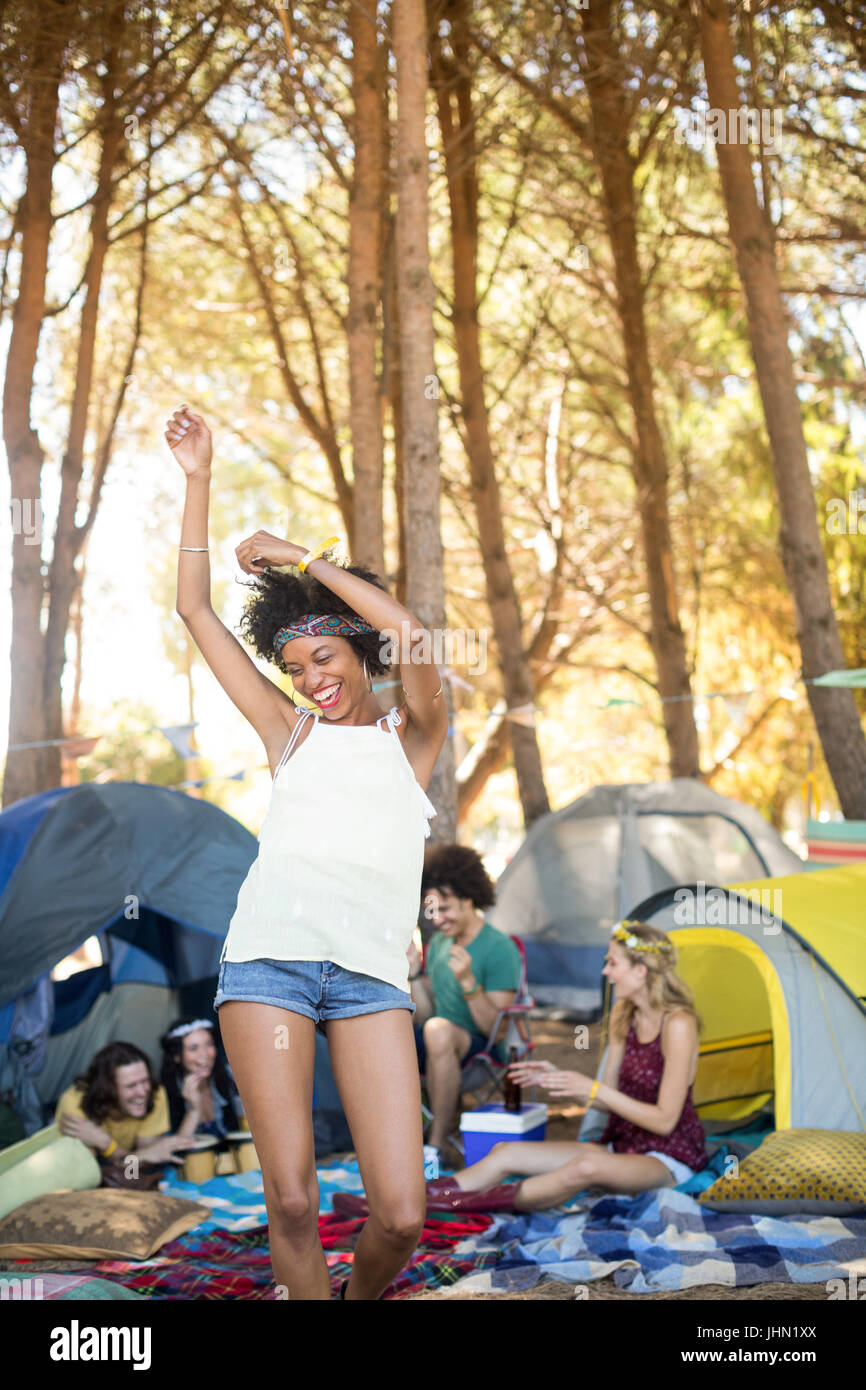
point(183, 1028)
point(634, 943)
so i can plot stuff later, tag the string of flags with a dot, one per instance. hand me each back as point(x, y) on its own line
point(735, 702)
point(178, 736)
point(220, 777)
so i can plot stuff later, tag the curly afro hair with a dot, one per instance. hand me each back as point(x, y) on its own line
point(278, 598)
point(459, 869)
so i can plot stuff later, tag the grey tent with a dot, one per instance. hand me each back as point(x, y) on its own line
point(154, 876)
point(584, 867)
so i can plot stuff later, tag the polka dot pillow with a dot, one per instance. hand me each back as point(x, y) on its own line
point(807, 1171)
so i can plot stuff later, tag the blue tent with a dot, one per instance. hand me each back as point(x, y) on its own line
point(154, 875)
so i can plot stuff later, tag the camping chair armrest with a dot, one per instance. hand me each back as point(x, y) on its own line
point(497, 1022)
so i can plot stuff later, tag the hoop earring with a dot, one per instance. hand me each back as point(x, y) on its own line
point(367, 675)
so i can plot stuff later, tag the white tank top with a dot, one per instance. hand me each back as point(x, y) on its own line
point(338, 872)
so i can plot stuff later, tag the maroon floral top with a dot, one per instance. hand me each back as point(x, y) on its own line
point(640, 1077)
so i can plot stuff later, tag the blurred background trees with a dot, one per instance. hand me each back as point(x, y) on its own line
point(203, 205)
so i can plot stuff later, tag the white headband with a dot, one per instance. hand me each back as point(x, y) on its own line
point(183, 1028)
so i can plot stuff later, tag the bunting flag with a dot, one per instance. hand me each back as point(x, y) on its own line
point(851, 679)
point(735, 705)
point(453, 679)
point(78, 747)
point(178, 737)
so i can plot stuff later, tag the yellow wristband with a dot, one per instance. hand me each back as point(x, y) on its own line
point(106, 1153)
point(471, 992)
point(312, 555)
point(592, 1093)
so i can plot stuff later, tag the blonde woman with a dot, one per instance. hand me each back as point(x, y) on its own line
point(653, 1137)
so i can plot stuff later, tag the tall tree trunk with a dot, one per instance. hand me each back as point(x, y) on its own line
point(605, 83)
point(425, 578)
point(365, 285)
point(393, 388)
point(456, 120)
point(63, 578)
point(834, 710)
point(27, 769)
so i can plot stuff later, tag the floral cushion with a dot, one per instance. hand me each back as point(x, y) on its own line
point(102, 1223)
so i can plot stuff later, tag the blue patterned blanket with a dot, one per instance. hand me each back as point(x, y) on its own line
point(238, 1202)
point(662, 1240)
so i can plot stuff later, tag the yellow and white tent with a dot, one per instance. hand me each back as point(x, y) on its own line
point(778, 969)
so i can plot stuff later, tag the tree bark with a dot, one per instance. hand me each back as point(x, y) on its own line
point(834, 710)
point(456, 119)
point(64, 580)
point(365, 286)
point(393, 388)
point(609, 137)
point(425, 595)
point(27, 770)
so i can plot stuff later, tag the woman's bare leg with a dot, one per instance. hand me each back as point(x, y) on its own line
point(375, 1065)
point(272, 1054)
point(627, 1173)
point(522, 1159)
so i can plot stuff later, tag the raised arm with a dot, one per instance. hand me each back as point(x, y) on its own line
point(269, 710)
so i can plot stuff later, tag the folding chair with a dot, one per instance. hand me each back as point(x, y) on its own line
point(485, 1069)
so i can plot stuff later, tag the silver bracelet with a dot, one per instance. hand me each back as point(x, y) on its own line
point(198, 548)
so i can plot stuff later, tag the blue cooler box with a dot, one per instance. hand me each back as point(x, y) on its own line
point(491, 1124)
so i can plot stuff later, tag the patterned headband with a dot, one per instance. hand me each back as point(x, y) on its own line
point(634, 943)
point(183, 1028)
point(323, 625)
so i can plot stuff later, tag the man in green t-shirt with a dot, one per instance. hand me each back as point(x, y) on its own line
point(472, 971)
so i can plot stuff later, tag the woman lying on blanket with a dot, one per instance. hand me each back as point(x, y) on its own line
point(118, 1109)
point(653, 1137)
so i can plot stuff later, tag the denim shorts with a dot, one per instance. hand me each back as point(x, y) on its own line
point(317, 988)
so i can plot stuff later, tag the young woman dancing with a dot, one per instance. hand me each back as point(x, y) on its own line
point(653, 1137)
point(320, 935)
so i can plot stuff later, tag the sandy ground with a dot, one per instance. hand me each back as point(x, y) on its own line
point(555, 1042)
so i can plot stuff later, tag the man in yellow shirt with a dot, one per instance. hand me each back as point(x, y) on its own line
point(118, 1109)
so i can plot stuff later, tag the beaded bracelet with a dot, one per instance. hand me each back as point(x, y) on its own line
point(312, 555)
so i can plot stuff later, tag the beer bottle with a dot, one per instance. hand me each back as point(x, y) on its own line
point(512, 1089)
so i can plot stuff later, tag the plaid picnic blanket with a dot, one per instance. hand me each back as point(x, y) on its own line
point(227, 1256)
point(220, 1264)
point(661, 1240)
